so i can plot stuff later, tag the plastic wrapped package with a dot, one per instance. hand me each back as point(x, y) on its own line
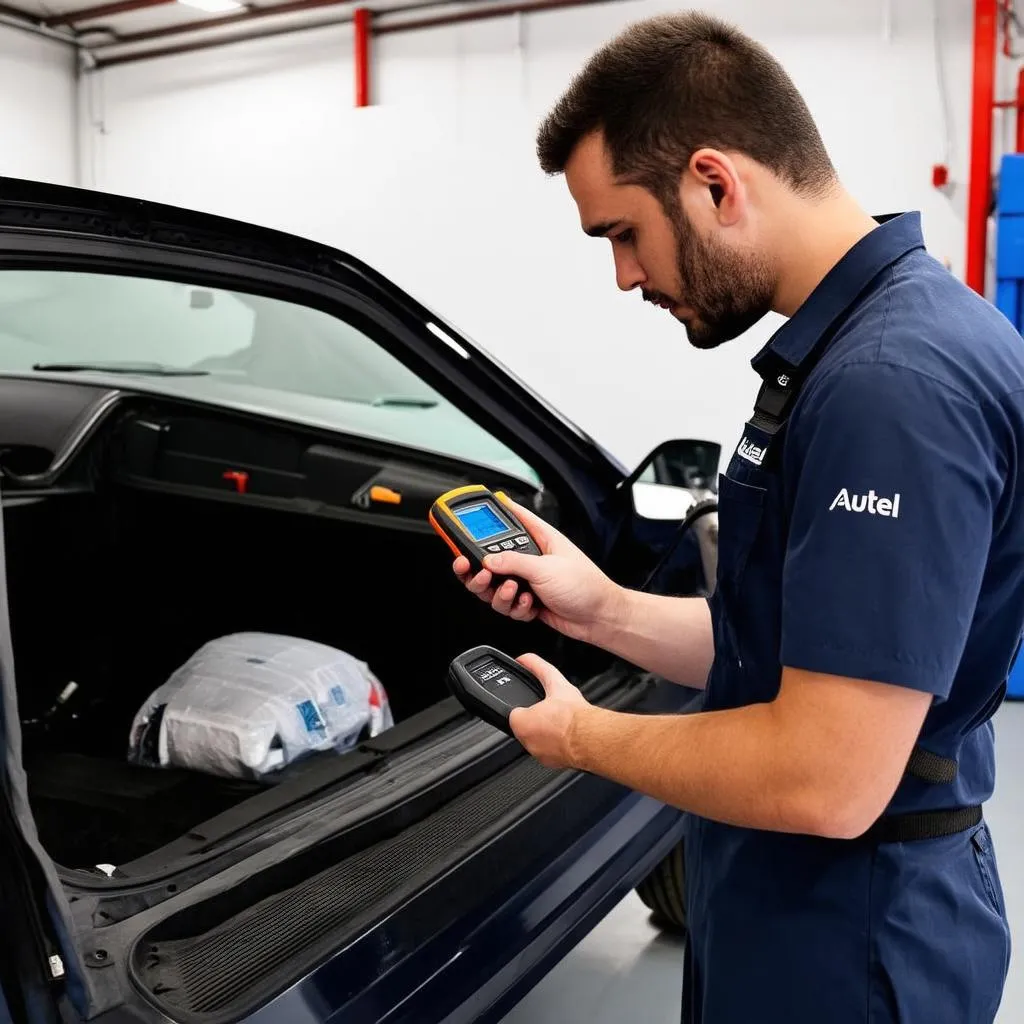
point(248, 704)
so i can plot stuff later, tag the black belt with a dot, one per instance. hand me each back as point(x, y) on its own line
point(906, 828)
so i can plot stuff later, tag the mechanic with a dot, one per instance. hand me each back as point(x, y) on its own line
point(870, 589)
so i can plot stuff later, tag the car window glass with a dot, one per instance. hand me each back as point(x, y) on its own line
point(283, 357)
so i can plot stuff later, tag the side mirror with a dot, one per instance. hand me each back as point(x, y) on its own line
point(683, 463)
point(675, 476)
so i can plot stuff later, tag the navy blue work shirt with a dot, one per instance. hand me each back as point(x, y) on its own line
point(881, 538)
point(888, 544)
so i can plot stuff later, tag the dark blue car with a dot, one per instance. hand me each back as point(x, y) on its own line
point(206, 428)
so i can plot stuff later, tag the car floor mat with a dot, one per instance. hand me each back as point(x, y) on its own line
point(92, 811)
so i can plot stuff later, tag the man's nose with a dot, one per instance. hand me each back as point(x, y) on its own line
point(628, 272)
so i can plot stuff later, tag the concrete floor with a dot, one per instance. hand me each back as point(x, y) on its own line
point(627, 970)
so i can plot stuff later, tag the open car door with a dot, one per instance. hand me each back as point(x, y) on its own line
point(429, 873)
point(34, 960)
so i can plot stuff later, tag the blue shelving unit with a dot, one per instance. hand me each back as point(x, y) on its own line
point(1015, 684)
point(1010, 289)
point(1010, 240)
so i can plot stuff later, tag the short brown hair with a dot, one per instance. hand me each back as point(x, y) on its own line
point(669, 85)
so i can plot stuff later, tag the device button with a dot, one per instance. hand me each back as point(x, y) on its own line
point(494, 547)
point(507, 545)
point(522, 541)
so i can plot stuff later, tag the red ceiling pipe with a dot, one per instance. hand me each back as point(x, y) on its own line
point(361, 23)
point(979, 195)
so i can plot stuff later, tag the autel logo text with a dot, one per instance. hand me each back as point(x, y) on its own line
point(752, 452)
point(870, 503)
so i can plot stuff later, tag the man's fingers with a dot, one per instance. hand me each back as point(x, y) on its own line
point(524, 609)
point(504, 596)
point(512, 563)
point(479, 583)
point(506, 599)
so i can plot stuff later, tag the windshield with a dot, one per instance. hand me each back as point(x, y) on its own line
point(239, 349)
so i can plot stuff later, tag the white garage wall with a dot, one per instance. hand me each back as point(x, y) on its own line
point(437, 184)
point(38, 129)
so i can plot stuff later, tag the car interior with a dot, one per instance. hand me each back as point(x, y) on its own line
point(146, 548)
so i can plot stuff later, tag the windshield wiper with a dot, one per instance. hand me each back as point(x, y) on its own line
point(142, 369)
point(406, 401)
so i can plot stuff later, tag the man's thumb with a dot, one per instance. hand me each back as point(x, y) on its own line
point(548, 675)
point(536, 527)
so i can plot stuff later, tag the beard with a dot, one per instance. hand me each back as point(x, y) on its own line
point(727, 291)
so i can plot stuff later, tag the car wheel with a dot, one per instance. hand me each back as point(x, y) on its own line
point(664, 892)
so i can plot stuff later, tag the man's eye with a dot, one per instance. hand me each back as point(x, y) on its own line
point(625, 236)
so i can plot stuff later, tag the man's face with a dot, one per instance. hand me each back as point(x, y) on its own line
point(715, 288)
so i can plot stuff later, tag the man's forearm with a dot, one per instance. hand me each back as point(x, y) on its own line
point(667, 635)
point(736, 766)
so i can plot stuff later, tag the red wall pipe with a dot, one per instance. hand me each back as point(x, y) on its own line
point(979, 196)
point(361, 22)
point(1019, 146)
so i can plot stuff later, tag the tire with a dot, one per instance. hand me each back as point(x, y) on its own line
point(663, 891)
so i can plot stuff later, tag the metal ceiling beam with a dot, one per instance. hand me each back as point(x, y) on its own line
point(202, 24)
point(485, 9)
point(15, 18)
point(127, 6)
point(99, 63)
point(484, 12)
point(103, 11)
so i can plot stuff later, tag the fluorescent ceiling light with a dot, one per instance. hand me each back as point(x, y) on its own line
point(212, 6)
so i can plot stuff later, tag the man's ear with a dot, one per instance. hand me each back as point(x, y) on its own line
point(715, 175)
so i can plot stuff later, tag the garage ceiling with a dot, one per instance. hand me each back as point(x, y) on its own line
point(119, 31)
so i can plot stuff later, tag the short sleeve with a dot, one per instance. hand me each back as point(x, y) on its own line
point(892, 479)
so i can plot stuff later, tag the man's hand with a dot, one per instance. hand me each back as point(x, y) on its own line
point(577, 596)
point(670, 636)
point(546, 729)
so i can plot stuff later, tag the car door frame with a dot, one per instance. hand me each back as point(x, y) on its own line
point(324, 279)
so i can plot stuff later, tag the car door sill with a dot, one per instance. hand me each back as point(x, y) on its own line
point(385, 796)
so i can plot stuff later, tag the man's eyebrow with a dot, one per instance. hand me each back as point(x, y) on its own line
point(600, 230)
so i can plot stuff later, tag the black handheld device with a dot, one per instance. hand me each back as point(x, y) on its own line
point(475, 522)
point(490, 684)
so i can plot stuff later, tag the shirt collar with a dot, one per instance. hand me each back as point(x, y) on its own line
point(895, 236)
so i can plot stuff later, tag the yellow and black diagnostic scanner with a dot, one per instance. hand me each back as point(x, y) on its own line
point(475, 522)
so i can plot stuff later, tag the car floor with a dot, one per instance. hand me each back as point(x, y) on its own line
point(627, 970)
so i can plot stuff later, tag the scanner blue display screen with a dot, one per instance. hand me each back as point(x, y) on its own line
point(482, 521)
